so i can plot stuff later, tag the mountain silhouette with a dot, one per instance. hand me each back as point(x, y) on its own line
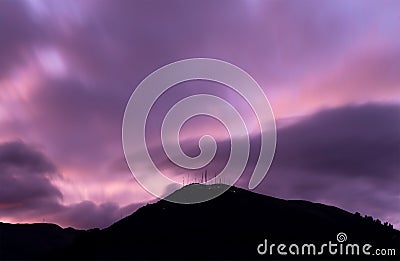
point(231, 226)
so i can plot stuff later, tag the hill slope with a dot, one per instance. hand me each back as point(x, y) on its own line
point(229, 226)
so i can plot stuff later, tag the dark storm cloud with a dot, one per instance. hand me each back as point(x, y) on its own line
point(27, 192)
point(19, 155)
point(348, 157)
point(353, 140)
point(25, 175)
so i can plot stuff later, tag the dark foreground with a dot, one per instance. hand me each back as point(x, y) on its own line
point(231, 226)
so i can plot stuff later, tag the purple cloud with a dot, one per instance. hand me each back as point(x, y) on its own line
point(87, 214)
point(28, 193)
point(348, 157)
point(25, 177)
point(68, 69)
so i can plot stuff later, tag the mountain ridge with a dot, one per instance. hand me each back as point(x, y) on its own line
point(229, 226)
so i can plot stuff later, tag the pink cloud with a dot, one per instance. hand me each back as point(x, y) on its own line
point(68, 69)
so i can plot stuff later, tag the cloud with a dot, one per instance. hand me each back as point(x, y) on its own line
point(86, 214)
point(28, 195)
point(62, 107)
point(25, 178)
point(347, 156)
point(305, 55)
point(16, 33)
point(358, 140)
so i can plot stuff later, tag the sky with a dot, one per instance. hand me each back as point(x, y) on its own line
point(330, 69)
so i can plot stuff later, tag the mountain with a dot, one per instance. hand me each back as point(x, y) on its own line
point(31, 241)
point(231, 226)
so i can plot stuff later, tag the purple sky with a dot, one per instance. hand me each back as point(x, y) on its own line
point(331, 70)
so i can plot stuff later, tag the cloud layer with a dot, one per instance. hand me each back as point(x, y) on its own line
point(67, 70)
point(28, 194)
point(348, 157)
